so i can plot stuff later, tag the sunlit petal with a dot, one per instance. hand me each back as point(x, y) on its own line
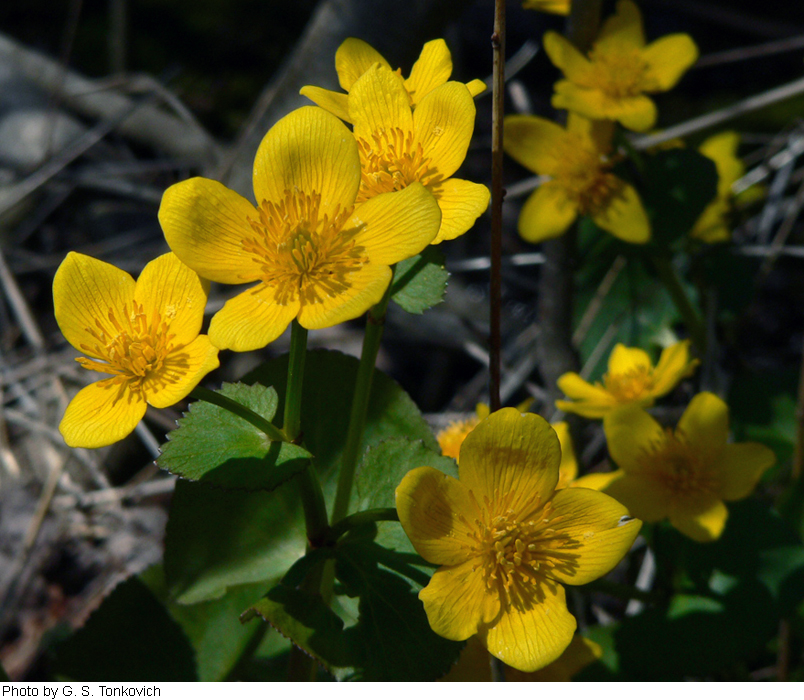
point(668, 59)
point(353, 58)
point(530, 142)
point(378, 102)
point(630, 433)
point(624, 216)
point(461, 202)
point(335, 102)
point(431, 70)
point(101, 414)
point(547, 213)
point(740, 468)
point(181, 372)
point(705, 423)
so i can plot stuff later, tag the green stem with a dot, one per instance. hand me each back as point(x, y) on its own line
point(375, 324)
point(691, 315)
point(239, 410)
point(362, 518)
point(293, 394)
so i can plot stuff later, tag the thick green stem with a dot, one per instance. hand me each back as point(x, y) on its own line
point(293, 394)
point(692, 317)
point(239, 410)
point(362, 518)
point(375, 324)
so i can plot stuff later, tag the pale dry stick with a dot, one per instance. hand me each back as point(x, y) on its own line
point(719, 116)
point(136, 492)
point(523, 187)
point(761, 251)
point(594, 306)
point(20, 307)
point(770, 48)
point(523, 56)
point(785, 149)
point(644, 582)
point(147, 439)
point(786, 227)
point(7, 458)
point(149, 125)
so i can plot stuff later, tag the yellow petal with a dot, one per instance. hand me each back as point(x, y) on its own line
point(533, 631)
point(181, 372)
point(740, 468)
point(597, 481)
point(622, 28)
point(456, 600)
point(396, 225)
point(431, 70)
point(311, 151)
point(366, 287)
point(511, 456)
point(472, 665)
point(84, 291)
point(335, 102)
point(568, 468)
point(443, 124)
point(624, 216)
point(591, 401)
point(531, 142)
point(600, 533)
point(702, 524)
point(251, 320)
point(673, 366)
point(353, 58)
point(433, 509)
point(722, 150)
point(204, 224)
point(567, 58)
point(630, 433)
point(460, 202)
point(705, 424)
point(668, 59)
point(100, 414)
point(555, 7)
point(378, 102)
point(169, 287)
point(644, 497)
point(635, 113)
point(578, 655)
point(476, 87)
point(625, 360)
point(712, 225)
point(547, 213)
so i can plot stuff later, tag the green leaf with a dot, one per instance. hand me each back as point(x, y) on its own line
point(130, 637)
point(306, 619)
point(676, 186)
point(216, 447)
point(392, 638)
point(213, 627)
point(420, 282)
point(216, 539)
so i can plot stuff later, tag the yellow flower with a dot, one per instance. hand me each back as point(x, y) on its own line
point(314, 255)
point(631, 378)
point(508, 541)
point(581, 181)
point(399, 146)
point(554, 7)
point(712, 225)
point(686, 474)
point(354, 57)
point(611, 82)
point(473, 664)
point(143, 333)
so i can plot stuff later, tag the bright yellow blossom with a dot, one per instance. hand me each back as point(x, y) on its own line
point(354, 57)
point(507, 541)
point(143, 333)
point(314, 254)
point(611, 83)
point(712, 225)
point(581, 182)
point(631, 378)
point(473, 664)
point(554, 7)
point(400, 146)
point(683, 474)
point(451, 438)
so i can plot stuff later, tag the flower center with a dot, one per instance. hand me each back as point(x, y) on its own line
point(678, 467)
point(135, 348)
point(390, 161)
point(635, 384)
point(582, 172)
point(618, 72)
point(302, 253)
point(513, 552)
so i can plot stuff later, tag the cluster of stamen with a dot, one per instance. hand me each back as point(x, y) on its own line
point(583, 173)
point(678, 466)
point(620, 72)
point(134, 347)
point(632, 385)
point(304, 254)
point(513, 552)
point(390, 161)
